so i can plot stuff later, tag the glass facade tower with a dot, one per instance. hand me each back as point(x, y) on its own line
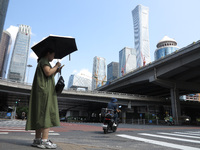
point(77, 81)
point(141, 34)
point(5, 45)
point(18, 63)
point(127, 60)
point(164, 47)
point(112, 71)
point(99, 72)
point(3, 11)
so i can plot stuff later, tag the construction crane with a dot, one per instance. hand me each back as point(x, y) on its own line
point(123, 68)
point(96, 79)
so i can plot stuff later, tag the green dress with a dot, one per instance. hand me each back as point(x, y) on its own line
point(43, 105)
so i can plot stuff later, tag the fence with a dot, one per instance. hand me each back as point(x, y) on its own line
point(145, 121)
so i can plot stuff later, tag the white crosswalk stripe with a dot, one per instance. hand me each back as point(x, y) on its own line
point(171, 138)
point(160, 136)
point(180, 135)
point(50, 133)
point(3, 132)
point(188, 133)
point(7, 126)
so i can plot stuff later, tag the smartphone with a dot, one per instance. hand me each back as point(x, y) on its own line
point(61, 66)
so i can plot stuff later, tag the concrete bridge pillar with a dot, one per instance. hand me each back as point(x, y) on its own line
point(68, 113)
point(175, 103)
point(124, 117)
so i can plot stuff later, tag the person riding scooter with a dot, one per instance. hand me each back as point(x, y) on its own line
point(112, 105)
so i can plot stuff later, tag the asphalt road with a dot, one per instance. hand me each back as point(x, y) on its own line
point(90, 136)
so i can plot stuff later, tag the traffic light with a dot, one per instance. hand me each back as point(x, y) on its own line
point(16, 103)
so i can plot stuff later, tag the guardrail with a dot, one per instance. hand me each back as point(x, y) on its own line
point(110, 94)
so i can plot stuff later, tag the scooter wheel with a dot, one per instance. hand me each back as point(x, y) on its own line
point(105, 131)
point(114, 129)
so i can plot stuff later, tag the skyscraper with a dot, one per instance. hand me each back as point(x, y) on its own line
point(165, 47)
point(5, 45)
point(3, 11)
point(99, 72)
point(112, 71)
point(77, 81)
point(141, 34)
point(18, 63)
point(127, 60)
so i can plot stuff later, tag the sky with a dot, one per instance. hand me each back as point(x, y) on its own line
point(101, 28)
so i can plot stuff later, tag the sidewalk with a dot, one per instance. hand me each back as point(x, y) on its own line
point(19, 145)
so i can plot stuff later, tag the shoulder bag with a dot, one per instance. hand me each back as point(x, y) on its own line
point(60, 85)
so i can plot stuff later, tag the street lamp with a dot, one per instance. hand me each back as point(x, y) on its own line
point(28, 71)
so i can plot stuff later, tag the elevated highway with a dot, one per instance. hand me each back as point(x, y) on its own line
point(174, 75)
point(13, 91)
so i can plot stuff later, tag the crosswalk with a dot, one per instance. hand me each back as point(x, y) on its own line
point(7, 130)
point(10, 126)
point(187, 140)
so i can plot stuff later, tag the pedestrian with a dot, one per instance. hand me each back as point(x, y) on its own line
point(43, 106)
point(23, 115)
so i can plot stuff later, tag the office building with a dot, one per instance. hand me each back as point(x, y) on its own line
point(3, 11)
point(141, 34)
point(112, 71)
point(99, 72)
point(5, 45)
point(18, 62)
point(79, 82)
point(127, 61)
point(164, 47)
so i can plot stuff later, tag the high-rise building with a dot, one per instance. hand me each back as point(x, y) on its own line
point(99, 72)
point(3, 11)
point(5, 45)
point(112, 71)
point(127, 60)
point(141, 34)
point(77, 81)
point(164, 47)
point(18, 63)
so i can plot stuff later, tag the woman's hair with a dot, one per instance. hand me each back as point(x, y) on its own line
point(44, 53)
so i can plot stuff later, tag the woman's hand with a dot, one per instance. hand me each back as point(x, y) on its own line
point(58, 64)
point(59, 69)
point(51, 71)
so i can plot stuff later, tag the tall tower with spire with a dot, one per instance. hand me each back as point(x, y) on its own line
point(141, 34)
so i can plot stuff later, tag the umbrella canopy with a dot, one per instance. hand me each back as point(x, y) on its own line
point(63, 45)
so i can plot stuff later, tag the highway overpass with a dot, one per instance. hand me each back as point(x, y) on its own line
point(73, 100)
point(171, 76)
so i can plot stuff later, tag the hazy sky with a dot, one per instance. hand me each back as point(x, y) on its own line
point(102, 28)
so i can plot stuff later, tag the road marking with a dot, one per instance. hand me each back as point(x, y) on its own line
point(3, 132)
point(49, 134)
point(181, 135)
point(12, 130)
point(188, 133)
point(193, 131)
point(160, 143)
point(170, 138)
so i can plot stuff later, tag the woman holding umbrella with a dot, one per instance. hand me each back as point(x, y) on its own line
point(43, 106)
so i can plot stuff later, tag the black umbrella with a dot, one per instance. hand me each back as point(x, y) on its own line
point(62, 45)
